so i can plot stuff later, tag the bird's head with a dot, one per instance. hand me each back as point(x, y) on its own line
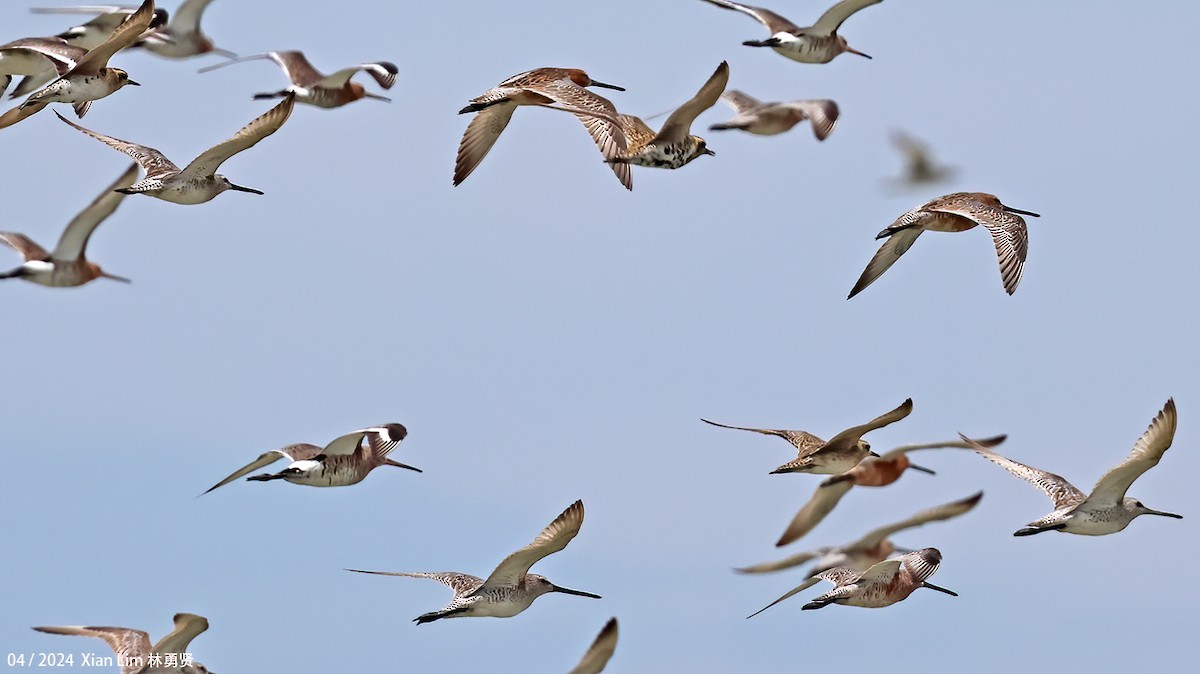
point(223, 184)
point(1138, 508)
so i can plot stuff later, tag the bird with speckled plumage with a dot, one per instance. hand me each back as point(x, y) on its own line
point(956, 212)
point(511, 588)
point(1107, 509)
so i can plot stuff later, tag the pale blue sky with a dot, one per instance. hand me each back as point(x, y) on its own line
point(546, 336)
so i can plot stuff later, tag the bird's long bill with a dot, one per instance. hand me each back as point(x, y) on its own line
point(709, 152)
point(1017, 210)
point(602, 85)
point(1159, 512)
point(132, 83)
point(578, 593)
point(397, 464)
point(114, 277)
point(239, 188)
point(939, 588)
point(852, 50)
point(921, 468)
point(377, 97)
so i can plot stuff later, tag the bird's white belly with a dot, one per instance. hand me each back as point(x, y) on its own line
point(802, 49)
point(185, 192)
point(499, 609)
point(80, 89)
point(1096, 523)
point(771, 124)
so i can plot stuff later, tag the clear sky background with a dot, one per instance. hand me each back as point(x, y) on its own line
point(547, 336)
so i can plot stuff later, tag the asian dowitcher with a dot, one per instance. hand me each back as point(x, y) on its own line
point(673, 145)
point(134, 653)
point(91, 78)
point(769, 119)
point(919, 166)
point(38, 59)
point(873, 471)
point(818, 43)
point(554, 88)
point(315, 88)
point(956, 212)
point(67, 266)
point(91, 34)
point(197, 182)
point(511, 588)
point(841, 453)
point(345, 461)
point(600, 652)
point(883, 584)
point(1107, 509)
point(872, 548)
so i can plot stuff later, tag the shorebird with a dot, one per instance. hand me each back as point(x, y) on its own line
point(818, 43)
point(197, 182)
point(67, 266)
point(38, 60)
point(91, 34)
point(182, 37)
point(956, 212)
point(1107, 509)
point(841, 453)
point(135, 655)
point(511, 588)
point(600, 652)
point(91, 78)
point(769, 119)
point(868, 550)
point(343, 462)
point(554, 88)
point(873, 471)
point(315, 88)
point(673, 146)
point(884, 584)
point(919, 165)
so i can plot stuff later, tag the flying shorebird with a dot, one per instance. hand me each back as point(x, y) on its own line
point(919, 165)
point(182, 37)
point(315, 88)
point(554, 88)
point(1107, 509)
point(133, 649)
point(600, 652)
point(871, 549)
point(91, 34)
point(673, 146)
point(884, 584)
point(769, 119)
point(956, 212)
point(511, 588)
point(67, 266)
point(343, 462)
point(818, 43)
point(90, 78)
point(843, 451)
point(197, 182)
point(873, 471)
